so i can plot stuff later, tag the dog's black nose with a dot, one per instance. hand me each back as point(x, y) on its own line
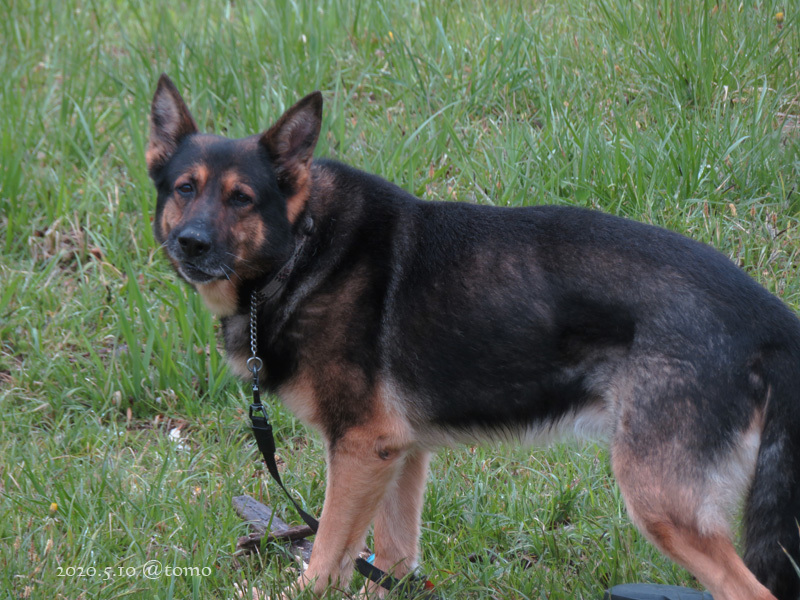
point(194, 243)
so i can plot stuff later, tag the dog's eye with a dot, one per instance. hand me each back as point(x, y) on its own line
point(240, 198)
point(185, 189)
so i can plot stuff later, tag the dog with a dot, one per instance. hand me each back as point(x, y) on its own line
point(399, 325)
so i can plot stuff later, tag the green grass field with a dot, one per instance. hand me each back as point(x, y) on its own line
point(682, 114)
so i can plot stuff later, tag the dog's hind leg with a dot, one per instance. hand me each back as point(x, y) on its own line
point(362, 463)
point(397, 524)
point(672, 503)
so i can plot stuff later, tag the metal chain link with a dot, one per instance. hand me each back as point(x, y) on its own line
point(254, 363)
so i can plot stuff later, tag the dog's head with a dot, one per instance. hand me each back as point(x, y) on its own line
point(226, 207)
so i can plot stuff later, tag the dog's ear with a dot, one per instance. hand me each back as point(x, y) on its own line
point(290, 143)
point(170, 122)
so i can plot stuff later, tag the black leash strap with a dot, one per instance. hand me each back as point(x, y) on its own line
point(262, 430)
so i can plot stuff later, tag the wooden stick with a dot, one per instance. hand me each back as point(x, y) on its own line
point(262, 519)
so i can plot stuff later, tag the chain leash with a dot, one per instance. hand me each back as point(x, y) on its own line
point(254, 363)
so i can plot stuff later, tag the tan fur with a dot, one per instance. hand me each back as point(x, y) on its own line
point(219, 296)
point(398, 521)
point(249, 234)
point(230, 181)
point(297, 201)
point(156, 153)
point(171, 216)
point(239, 325)
point(728, 481)
point(201, 174)
point(362, 464)
point(674, 515)
point(197, 175)
point(298, 396)
point(712, 559)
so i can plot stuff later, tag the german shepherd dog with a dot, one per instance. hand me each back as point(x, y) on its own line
point(403, 325)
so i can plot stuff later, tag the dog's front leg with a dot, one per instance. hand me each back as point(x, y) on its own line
point(362, 463)
point(397, 524)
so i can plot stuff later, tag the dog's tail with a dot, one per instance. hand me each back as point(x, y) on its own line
point(772, 510)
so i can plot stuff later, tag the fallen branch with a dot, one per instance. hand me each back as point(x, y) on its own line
point(263, 521)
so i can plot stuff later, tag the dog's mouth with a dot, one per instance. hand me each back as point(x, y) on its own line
point(196, 275)
point(199, 268)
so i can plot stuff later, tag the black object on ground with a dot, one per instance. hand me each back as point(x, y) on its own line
point(651, 591)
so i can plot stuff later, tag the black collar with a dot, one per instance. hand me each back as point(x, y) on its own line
point(277, 283)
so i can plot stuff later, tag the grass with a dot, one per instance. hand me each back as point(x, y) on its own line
point(680, 114)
